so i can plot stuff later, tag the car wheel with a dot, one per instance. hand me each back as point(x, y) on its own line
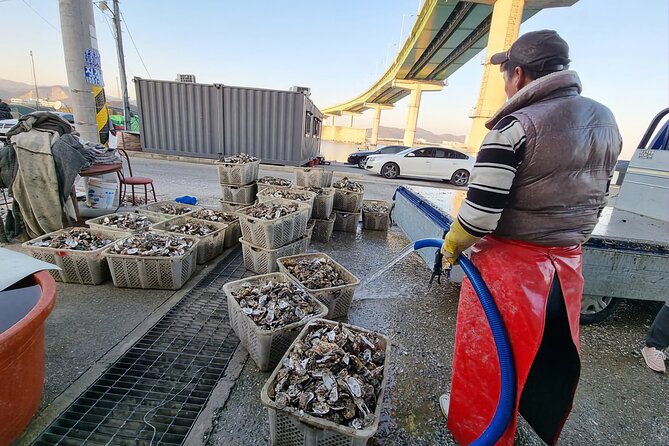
point(596, 309)
point(361, 162)
point(390, 170)
point(460, 177)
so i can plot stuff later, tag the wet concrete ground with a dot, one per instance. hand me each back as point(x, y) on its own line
point(619, 400)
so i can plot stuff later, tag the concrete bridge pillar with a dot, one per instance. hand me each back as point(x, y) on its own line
point(416, 88)
point(350, 117)
point(377, 120)
point(506, 18)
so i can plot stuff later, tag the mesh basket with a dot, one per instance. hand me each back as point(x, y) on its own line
point(289, 429)
point(376, 221)
point(338, 299)
point(315, 177)
point(272, 234)
point(266, 347)
point(154, 209)
point(158, 273)
point(345, 222)
point(323, 204)
point(96, 223)
point(263, 261)
point(85, 267)
point(265, 196)
point(239, 194)
point(232, 234)
point(323, 229)
point(210, 245)
point(237, 174)
point(347, 201)
point(231, 208)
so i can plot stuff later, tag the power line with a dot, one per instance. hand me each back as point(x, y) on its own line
point(133, 44)
point(40, 15)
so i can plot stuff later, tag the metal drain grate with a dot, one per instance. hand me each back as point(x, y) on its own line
point(164, 380)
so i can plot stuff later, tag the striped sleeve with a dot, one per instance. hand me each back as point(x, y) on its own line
point(498, 159)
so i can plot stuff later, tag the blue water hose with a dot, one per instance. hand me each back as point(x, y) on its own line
point(507, 398)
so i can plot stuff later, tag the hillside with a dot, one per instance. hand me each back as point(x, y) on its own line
point(398, 133)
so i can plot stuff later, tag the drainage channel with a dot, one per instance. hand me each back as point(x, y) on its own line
point(155, 391)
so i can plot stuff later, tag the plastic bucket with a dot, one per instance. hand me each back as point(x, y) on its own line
point(100, 194)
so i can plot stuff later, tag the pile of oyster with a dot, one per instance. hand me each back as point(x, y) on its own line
point(152, 244)
point(317, 190)
point(275, 304)
point(242, 158)
point(76, 239)
point(271, 211)
point(173, 209)
point(316, 273)
point(287, 194)
point(126, 220)
point(212, 215)
point(192, 227)
point(335, 374)
point(274, 181)
point(375, 208)
point(348, 185)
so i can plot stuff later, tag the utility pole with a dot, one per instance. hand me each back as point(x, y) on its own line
point(32, 62)
point(121, 65)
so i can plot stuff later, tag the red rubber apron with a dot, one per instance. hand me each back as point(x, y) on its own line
point(519, 276)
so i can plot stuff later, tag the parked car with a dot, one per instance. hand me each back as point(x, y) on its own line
point(358, 158)
point(5, 125)
point(424, 162)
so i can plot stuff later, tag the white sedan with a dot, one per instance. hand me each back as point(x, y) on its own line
point(424, 162)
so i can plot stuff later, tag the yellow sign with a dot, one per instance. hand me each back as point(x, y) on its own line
point(101, 115)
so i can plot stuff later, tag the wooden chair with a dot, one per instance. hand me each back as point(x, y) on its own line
point(132, 181)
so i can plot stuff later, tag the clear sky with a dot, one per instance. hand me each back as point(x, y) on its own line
point(338, 48)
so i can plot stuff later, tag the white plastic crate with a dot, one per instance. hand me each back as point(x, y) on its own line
point(346, 222)
point(313, 176)
point(338, 299)
point(272, 234)
point(323, 203)
point(323, 229)
point(263, 261)
point(159, 273)
point(232, 234)
point(154, 209)
point(210, 245)
point(239, 194)
point(85, 267)
point(347, 201)
point(96, 223)
point(237, 174)
point(266, 347)
point(375, 221)
point(265, 196)
point(232, 208)
point(289, 429)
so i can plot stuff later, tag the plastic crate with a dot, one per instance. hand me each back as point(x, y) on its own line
point(264, 196)
point(154, 209)
point(85, 267)
point(96, 223)
point(232, 234)
point(272, 234)
point(346, 222)
point(262, 186)
point(376, 221)
point(237, 174)
point(290, 429)
point(313, 176)
point(239, 194)
point(157, 273)
point(347, 201)
point(338, 299)
point(323, 229)
point(210, 245)
point(266, 347)
point(263, 261)
point(323, 204)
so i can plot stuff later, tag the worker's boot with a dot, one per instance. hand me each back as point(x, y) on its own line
point(654, 359)
point(444, 401)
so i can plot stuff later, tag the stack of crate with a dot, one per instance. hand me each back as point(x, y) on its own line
point(347, 205)
point(265, 239)
point(238, 184)
point(319, 181)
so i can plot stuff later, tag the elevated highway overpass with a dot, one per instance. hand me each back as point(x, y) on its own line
point(445, 36)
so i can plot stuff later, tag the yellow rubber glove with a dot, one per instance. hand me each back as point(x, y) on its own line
point(455, 241)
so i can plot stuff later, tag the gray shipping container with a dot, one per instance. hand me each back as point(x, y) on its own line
point(202, 120)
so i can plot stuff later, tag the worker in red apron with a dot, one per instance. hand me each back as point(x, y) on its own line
point(539, 183)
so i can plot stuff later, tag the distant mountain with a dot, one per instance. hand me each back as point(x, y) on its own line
point(397, 133)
